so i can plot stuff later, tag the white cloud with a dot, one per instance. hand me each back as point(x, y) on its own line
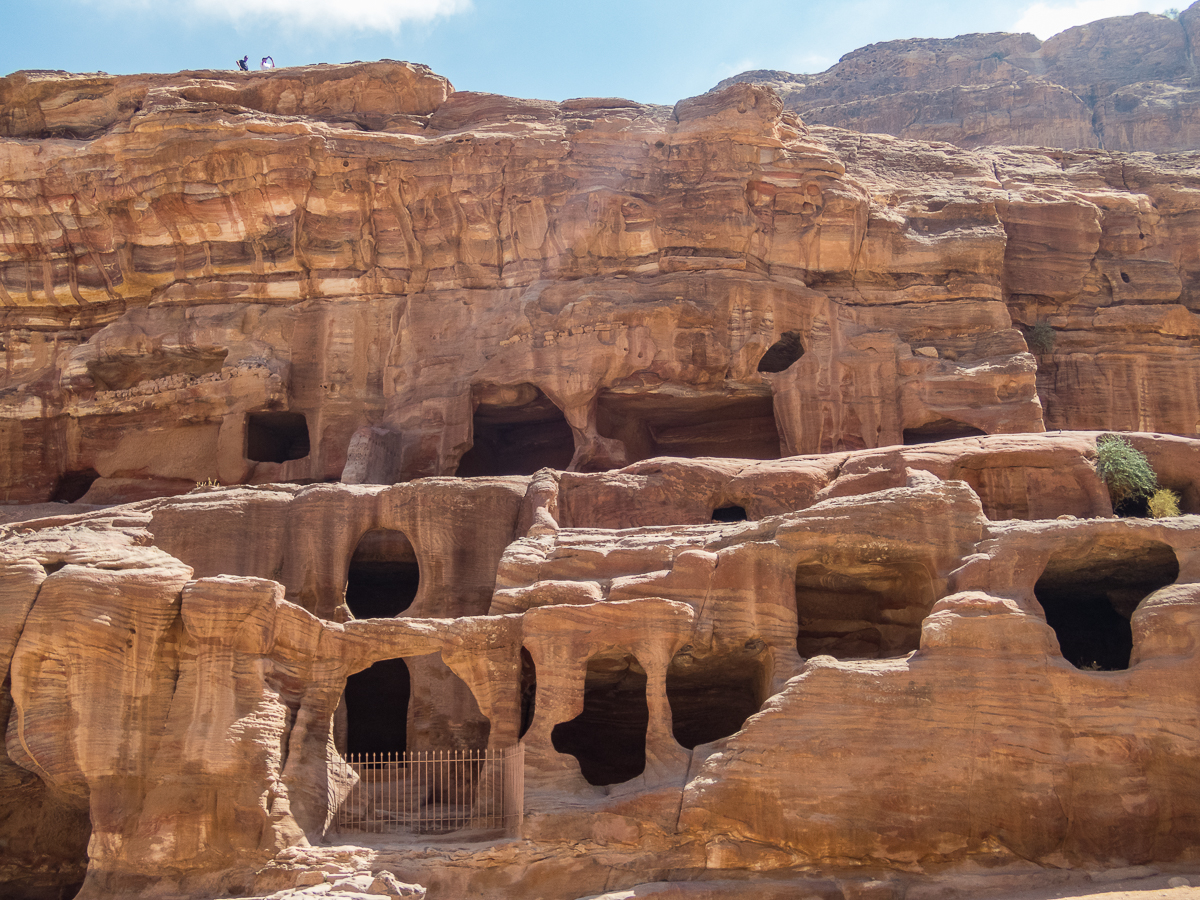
point(1048, 19)
point(340, 15)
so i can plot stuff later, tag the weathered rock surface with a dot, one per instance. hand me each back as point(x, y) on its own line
point(1124, 83)
point(352, 273)
point(899, 660)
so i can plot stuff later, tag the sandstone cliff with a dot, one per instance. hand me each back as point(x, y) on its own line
point(354, 273)
point(1125, 83)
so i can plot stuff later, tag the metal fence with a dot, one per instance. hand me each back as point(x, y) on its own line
point(435, 792)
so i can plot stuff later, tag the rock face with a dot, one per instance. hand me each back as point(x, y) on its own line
point(1125, 83)
point(352, 273)
point(698, 453)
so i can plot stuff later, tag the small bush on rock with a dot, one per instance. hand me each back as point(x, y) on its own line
point(1163, 503)
point(1126, 472)
point(1040, 339)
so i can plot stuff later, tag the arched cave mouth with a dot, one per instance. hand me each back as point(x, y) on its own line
point(72, 486)
point(652, 424)
point(1089, 599)
point(861, 610)
point(517, 430)
point(783, 353)
point(712, 697)
point(609, 737)
point(377, 708)
point(730, 513)
point(384, 576)
point(276, 437)
point(940, 430)
point(528, 691)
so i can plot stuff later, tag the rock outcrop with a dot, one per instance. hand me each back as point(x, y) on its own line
point(1126, 83)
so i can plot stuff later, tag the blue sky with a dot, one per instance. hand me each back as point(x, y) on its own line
point(656, 51)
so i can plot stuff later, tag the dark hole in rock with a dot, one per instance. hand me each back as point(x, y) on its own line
point(781, 354)
point(377, 708)
point(729, 514)
point(1089, 599)
point(712, 697)
point(517, 430)
point(940, 430)
point(652, 424)
point(528, 691)
point(53, 567)
point(609, 736)
point(383, 577)
point(73, 485)
point(276, 436)
point(1125, 277)
point(861, 610)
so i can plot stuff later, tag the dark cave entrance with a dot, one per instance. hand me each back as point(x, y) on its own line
point(729, 513)
point(276, 437)
point(652, 424)
point(1090, 599)
point(861, 610)
point(384, 577)
point(72, 486)
point(528, 691)
point(377, 708)
point(781, 354)
point(940, 430)
point(609, 736)
point(712, 697)
point(517, 430)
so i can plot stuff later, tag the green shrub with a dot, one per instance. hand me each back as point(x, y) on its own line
point(1125, 471)
point(1040, 339)
point(1163, 503)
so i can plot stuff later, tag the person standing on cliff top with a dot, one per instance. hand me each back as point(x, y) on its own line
point(243, 63)
point(267, 63)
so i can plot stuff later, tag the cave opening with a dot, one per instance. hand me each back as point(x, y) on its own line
point(377, 708)
point(651, 424)
point(729, 513)
point(72, 486)
point(384, 577)
point(712, 697)
point(276, 437)
point(1089, 599)
point(940, 430)
point(781, 354)
point(517, 430)
point(609, 737)
point(528, 691)
point(861, 610)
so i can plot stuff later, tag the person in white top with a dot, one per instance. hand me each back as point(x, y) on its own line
point(267, 63)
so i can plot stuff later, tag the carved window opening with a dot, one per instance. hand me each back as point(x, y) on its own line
point(729, 513)
point(384, 577)
point(72, 486)
point(651, 424)
point(1090, 598)
point(781, 354)
point(609, 737)
point(712, 697)
point(276, 437)
point(517, 430)
point(376, 702)
point(528, 691)
point(861, 610)
point(940, 430)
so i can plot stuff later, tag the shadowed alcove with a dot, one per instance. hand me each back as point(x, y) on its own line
point(528, 691)
point(72, 486)
point(652, 424)
point(940, 430)
point(517, 430)
point(609, 736)
point(729, 513)
point(276, 436)
point(377, 708)
point(1089, 599)
point(780, 355)
point(383, 578)
point(861, 610)
point(712, 697)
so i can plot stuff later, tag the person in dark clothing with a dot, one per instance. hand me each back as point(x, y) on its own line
point(243, 63)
